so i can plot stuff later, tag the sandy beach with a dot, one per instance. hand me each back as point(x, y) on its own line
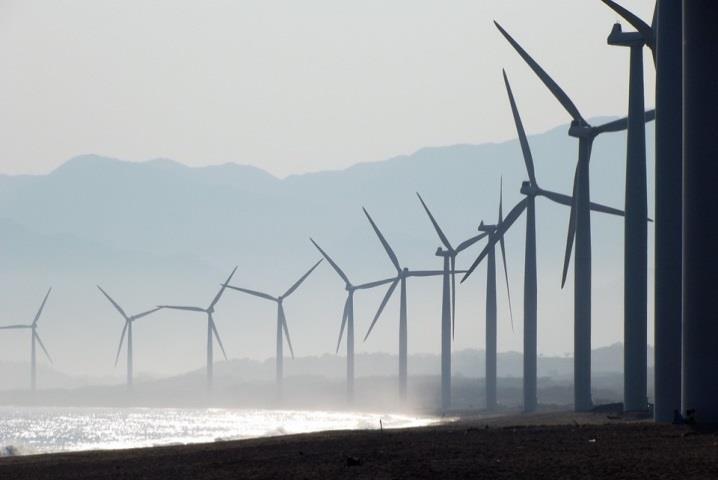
point(548, 445)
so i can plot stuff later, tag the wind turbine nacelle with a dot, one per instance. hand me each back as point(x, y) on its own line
point(579, 129)
point(486, 228)
point(619, 38)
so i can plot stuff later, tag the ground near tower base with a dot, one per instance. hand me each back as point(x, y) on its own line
point(542, 446)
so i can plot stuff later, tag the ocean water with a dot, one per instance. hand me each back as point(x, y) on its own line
point(30, 430)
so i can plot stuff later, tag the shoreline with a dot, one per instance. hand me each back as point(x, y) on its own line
point(544, 445)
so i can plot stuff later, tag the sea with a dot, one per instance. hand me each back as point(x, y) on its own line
point(34, 430)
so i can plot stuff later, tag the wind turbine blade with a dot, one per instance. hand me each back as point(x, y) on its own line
point(385, 244)
point(331, 262)
point(652, 46)
point(384, 301)
point(525, 149)
point(503, 248)
point(559, 198)
point(557, 92)
point(42, 306)
point(501, 229)
point(14, 327)
point(571, 231)
point(597, 207)
point(430, 273)
point(562, 199)
point(501, 200)
point(221, 290)
point(655, 18)
point(42, 345)
point(622, 123)
point(443, 238)
point(219, 340)
point(644, 29)
point(453, 296)
point(345, 315)
point(122, 340)
point(506, 275)
point(144, 314)
point(178, 307)
point(114, 303)
point(378, 283)
point(286, 331)
point(426, 273)
point(299, 282)
point(252, 292)
point(467, 243)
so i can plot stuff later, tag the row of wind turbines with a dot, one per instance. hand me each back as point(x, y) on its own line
point(578, 238)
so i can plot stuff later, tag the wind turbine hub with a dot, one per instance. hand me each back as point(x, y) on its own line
point(528, 189)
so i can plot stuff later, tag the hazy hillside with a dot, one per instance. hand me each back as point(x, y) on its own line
point(158, 231)
point(320, 381)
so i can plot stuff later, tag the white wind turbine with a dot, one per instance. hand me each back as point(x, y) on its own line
point(211, 327)
point(35, 340)
point(126, 330)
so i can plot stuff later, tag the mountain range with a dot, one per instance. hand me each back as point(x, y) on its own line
point(161, 232)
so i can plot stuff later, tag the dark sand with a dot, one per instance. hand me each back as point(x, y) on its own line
point(551, 446)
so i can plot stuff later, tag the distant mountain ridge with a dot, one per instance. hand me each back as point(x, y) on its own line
point(159, 231)
point(466, 363)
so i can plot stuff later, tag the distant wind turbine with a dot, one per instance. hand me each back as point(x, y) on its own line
point(348, 316)
point(282, 329)
point(126, 329)
point(35, 339)
point(491, 321)
point(211, 327)
point(448, 301)
point(530, 189)
point(579, 226)
point(401, 275)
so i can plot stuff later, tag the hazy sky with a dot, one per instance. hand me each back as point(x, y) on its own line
point(290, 86)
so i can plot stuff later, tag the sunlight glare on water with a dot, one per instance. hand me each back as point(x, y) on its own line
point(28, 430)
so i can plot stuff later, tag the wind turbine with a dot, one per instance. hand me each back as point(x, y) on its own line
point(530, 189)
point(401, 275)
point(348, 316)
point(211, 327)
point(635, 262)
point(448, 301)
point(491, 324)
point(127, 329)
point(282, 329)
point(579, 227)
point(35, 339)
